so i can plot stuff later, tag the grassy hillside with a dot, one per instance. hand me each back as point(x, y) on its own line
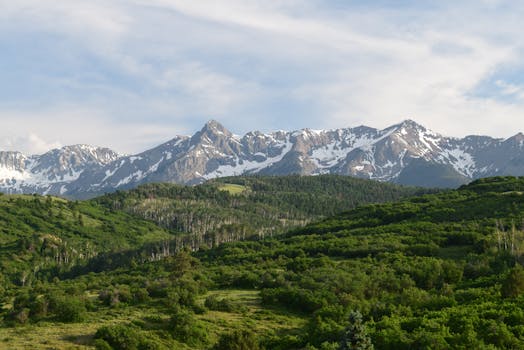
point(39, 234)
point(48, 236)
point(252, 205)
point(438, 271)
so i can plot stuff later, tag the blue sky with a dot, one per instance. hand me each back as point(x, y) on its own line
point(130, 74)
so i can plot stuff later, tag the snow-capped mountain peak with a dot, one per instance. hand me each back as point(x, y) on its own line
point(406, 152)
point(48, 172)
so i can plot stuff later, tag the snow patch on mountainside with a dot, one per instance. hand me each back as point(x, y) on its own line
point(136, 176)
point(139, 175)
point(329, 155)
point(430, 140)
point(12, 174)
point(244, 166)
point(461, 161)
point(39, 173)
point(360, 151)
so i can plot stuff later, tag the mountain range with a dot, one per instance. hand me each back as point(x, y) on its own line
point(405, 153)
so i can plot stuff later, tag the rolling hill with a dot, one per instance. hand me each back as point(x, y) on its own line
point(434, 271)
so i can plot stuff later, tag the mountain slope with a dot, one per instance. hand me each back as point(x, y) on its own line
point(39, 232)
point(50, 172)
point(385, 155)
point(438, 271)
point(251, 205)
point(362, 152)
point(423, 173)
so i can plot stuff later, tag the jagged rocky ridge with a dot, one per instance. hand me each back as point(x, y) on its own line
point(406, 153)
point(51, 172)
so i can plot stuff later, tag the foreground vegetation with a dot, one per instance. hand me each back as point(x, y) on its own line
point(437, 271)
point(42, 237)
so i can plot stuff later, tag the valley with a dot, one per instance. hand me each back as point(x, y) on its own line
point(435, 270)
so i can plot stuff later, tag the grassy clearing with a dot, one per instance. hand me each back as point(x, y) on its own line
point(62, 336)
point(257, 318)
point(8, 197)
point(233, 188)
point(28, 197)
point(48, 336)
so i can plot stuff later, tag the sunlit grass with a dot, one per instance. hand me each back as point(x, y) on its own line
point(257, 318)
point(233, 188)
point(62, 336)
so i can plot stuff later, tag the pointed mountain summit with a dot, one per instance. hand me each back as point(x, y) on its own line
point(214, 127)
point(406, 152)
point(412, 128)
point(212, 133)
point(410, 123)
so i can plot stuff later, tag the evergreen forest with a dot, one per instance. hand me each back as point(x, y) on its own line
point(323, 262)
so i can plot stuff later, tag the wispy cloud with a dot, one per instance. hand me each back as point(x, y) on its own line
point(35, 133)
point(157, 68)
point(30, 143)
point(510, 89)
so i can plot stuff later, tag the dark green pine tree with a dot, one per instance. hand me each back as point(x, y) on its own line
point(355, 337)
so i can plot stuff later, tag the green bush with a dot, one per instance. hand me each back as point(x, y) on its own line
point(69, 309)
point(185, 328)
point(39, 308)
point(122, 337)
point(101, 344)
point(140, 295)
point(238, 340)
point(513, 285)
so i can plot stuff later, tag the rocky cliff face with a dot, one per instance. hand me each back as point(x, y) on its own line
point(51, 172)
point(407, 153)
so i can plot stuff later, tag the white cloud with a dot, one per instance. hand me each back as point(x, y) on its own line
point(166, 66)
point(68, 125)
point(215, 93)
point(95, 21)
point(511, 89)
point(29, 144)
